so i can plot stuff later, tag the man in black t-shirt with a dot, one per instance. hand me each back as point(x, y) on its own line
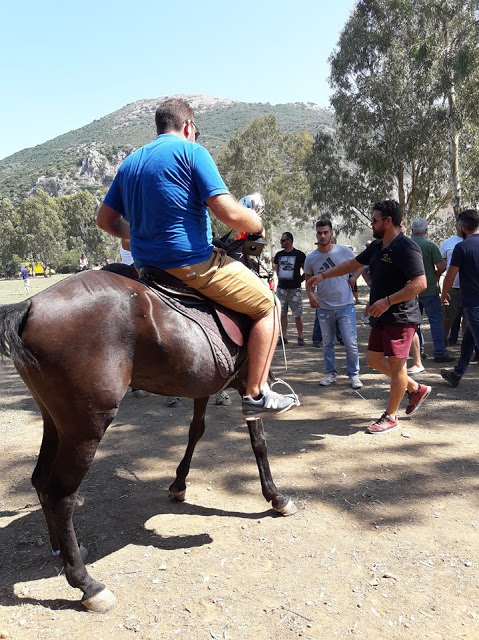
point(465, 262)
point(397, 277)
point(288, 264)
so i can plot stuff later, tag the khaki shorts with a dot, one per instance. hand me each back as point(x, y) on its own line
point(229, 283)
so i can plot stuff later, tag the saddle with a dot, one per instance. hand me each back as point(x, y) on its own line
point(226, 330)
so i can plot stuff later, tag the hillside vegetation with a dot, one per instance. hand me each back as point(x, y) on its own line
point(87, 158)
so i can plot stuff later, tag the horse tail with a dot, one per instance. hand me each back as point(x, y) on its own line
point(13, 318)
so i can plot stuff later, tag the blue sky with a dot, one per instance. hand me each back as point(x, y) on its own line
point(66, 63)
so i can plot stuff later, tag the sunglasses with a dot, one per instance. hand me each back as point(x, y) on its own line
point(197, 131)
point(374, 220)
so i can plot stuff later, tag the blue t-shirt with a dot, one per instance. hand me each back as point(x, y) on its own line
point(466, 257)
point(161, 190)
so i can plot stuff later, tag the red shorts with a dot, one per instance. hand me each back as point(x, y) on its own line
point(392, 339)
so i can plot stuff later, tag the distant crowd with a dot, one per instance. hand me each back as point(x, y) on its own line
point(404, 278)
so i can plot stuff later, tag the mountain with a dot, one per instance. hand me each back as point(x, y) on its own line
point(87, 158)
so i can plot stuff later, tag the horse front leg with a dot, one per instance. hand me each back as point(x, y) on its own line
point(281, 503)
point(177, 489)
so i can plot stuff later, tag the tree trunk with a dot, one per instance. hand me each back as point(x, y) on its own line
point(453, 129)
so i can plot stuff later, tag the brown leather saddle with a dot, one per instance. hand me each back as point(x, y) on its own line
point(235, 325)
point(226, 330)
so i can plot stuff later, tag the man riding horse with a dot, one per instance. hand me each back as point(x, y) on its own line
point(159, 200)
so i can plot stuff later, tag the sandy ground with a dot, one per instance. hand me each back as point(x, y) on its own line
point(384, 543)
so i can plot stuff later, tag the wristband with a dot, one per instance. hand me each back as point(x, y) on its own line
point(388, 301)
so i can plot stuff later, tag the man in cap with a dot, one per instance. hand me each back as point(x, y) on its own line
point(429, 301)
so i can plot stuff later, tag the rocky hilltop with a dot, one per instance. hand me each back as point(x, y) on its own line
point(87, 158)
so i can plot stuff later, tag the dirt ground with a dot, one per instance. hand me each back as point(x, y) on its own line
point(385, 543)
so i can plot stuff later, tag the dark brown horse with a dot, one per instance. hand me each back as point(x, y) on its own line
point(78, 346)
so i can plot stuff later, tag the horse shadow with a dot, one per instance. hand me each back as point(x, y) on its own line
point(102, 527)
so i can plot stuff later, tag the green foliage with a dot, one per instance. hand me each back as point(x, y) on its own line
point(58, 229)
point(79, 221)
point(340, 189)
point(43, 235)
point(262, 157)
point(118, 133)
point(395, 68)
point(54, 231)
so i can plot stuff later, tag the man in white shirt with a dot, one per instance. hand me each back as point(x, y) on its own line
point(333, 302)
point(453, 309)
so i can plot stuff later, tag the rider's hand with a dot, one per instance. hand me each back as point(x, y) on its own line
point(262, 233)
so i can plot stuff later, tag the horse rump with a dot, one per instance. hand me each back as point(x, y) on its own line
point(12, 321)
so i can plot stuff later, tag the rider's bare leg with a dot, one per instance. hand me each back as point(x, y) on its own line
point(261, 345)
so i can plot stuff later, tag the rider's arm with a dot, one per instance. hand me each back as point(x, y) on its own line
point(235, 215)
point(112, 222)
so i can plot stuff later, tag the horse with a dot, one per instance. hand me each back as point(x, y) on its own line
point(78, 346)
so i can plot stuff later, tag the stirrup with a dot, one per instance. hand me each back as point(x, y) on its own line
point(291, 395)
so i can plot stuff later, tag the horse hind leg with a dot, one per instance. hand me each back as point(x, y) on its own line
point(59, 494)
point(42, 471)
point(177, 489)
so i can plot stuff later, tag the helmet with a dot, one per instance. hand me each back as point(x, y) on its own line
point(254, 201)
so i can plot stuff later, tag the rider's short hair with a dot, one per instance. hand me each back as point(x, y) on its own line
point(172, 114)
point(288, 235)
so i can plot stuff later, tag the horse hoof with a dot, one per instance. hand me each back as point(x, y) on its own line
point(174, 402)
point(139, 393)
point(177, 495)
point(101, 603)
point(289, 509)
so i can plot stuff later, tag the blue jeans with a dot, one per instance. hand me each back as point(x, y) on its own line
point(469, 339)
point(433, 308)
point(346, 319)
point(317, 335)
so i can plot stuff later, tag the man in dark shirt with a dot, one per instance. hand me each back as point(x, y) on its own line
point(397, 277)
point(465, 261)
point(288, 264)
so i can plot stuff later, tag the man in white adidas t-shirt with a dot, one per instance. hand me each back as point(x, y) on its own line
point(333, 302)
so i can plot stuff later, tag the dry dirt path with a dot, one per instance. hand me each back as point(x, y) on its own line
point(384, 543)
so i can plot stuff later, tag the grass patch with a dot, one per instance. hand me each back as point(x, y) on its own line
point(14, 291)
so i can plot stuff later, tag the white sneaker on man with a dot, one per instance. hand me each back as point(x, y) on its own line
point(356, 382)
point(328, 379)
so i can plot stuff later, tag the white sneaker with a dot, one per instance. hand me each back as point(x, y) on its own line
point(356, 382)
point(328, 379)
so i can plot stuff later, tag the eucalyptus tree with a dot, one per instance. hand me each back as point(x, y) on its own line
point(11, 246)
point(78, 212)
point(42, 235)
point(390, 86)
point(262, 157)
